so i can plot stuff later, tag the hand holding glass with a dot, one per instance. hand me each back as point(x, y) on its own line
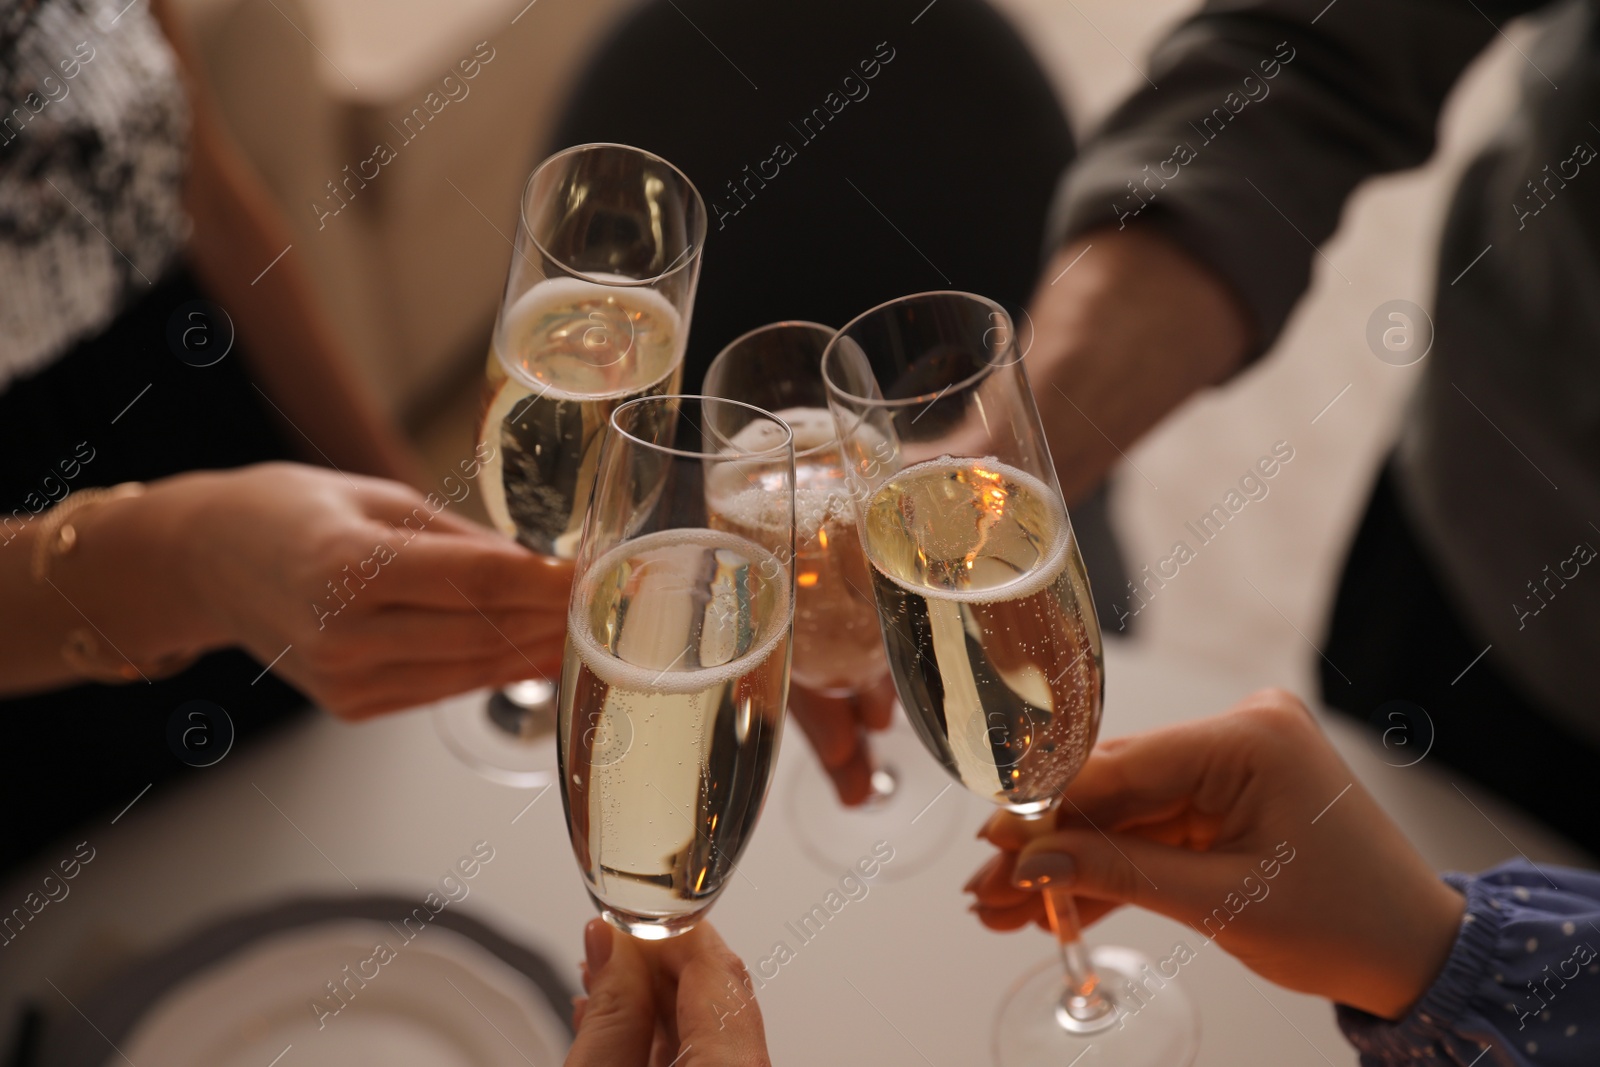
point(595, 312)
point(987, 616)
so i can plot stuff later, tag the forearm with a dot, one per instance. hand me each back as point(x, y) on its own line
point(294, 351)
point(1267, 116)
point(123, 585)
point(1132, 330)
point(294, 355)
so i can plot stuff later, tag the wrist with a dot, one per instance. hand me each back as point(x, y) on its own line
point(182, 540)
point(1438, 927)
point(1413, 955)
point(138, 565)
point(1127, 327)
point(1145, 277)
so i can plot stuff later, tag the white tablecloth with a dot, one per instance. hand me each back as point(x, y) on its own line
point(384, 807)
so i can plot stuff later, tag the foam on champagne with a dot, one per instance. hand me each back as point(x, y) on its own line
point(1040, 574)
point(836, 644)
point(566, 354)
point(821, 496)
point(616, 671)
point(614, 324)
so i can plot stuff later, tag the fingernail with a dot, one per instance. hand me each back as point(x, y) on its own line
point(597, 944)
point(1043, 868)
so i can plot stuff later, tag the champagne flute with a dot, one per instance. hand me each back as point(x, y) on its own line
point(990, 627)
point(595, 312)
point(838, 655)
point(677, 661)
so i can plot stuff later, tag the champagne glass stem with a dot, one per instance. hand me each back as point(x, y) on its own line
point(1084, 1006)
point(885, 784)
point(883, 780)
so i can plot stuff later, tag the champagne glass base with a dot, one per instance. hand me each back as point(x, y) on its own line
point(508, 738)
point(647, 927)
point(916, 809)
point(1155, 1023)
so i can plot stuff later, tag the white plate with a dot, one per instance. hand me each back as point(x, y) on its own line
point(441, 1001)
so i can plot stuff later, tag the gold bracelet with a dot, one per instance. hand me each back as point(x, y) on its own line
point(81, 651)
point(57, 536)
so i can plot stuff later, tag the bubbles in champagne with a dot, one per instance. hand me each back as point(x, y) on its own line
point(576, 339)
point(671, 704)
point(679, 611)
point(837, 647)
point(970, 530)
point(566, 353)
point(989, 624)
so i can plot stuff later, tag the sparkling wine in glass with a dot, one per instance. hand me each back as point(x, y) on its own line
point(838, 653)
point(595, 313)
point(677, 661)
point(990, 626)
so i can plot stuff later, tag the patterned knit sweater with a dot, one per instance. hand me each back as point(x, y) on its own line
point(93, 143)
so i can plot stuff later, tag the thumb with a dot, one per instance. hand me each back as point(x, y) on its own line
point(719, 1021)
point(619, 1021)
point(1123, 869)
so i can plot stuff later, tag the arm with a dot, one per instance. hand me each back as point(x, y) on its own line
point(1538, 1003)
point(127, 576)
point(1133, 329)
point(295, 353)
point(362, 593)
point(1248, 828)
point(1202, 199)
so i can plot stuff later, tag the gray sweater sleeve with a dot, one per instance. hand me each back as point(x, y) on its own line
point(1267, 115)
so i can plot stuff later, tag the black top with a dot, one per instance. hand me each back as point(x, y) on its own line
point(121, 407)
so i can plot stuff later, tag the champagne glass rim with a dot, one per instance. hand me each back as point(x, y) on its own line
point(697, 242)
point(778, 451)
point(785, 324)
point(772, 326)
point(964, 384)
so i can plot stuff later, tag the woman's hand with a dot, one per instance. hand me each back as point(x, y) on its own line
point(1246, 827)
point(683, 1002)
point(358, 591)
point(837, 728)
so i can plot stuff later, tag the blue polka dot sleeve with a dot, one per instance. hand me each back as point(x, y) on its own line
point(1521, 986)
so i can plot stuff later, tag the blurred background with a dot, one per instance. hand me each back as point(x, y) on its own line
point(411, 270)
